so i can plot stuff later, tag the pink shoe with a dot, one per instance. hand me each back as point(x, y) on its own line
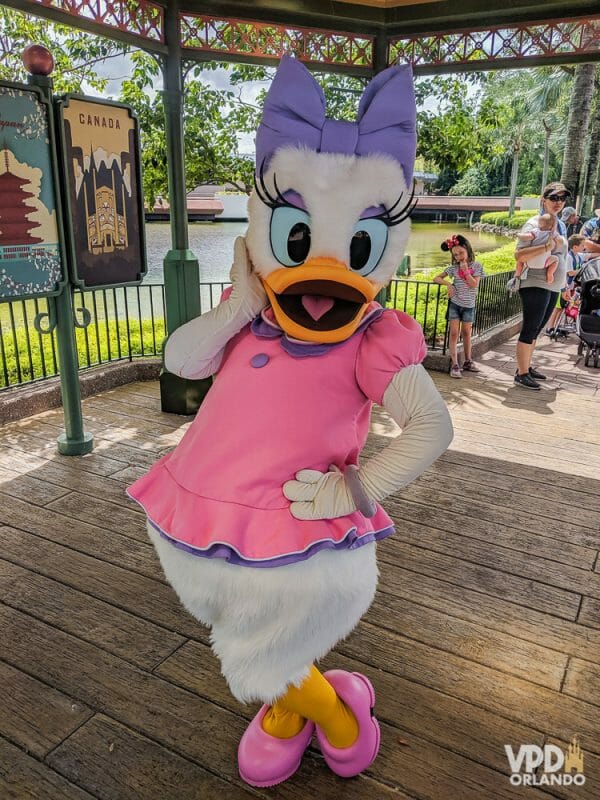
point(358, 694)
point(264, 760)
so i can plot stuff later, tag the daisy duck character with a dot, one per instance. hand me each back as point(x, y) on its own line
point(263, 519)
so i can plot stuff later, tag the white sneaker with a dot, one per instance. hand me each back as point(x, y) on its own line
point(455, 371)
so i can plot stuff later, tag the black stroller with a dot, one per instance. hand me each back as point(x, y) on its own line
point(588, 321)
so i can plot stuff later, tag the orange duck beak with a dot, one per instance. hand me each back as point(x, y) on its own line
point(320, 301)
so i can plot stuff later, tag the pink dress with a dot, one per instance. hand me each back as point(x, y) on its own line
point(276, 407)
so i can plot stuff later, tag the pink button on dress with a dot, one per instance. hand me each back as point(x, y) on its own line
point(269, 414)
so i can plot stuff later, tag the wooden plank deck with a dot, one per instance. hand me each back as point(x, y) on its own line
point(485, 630)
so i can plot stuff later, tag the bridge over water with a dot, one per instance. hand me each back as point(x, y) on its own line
point(202, 204)
point(453, 208)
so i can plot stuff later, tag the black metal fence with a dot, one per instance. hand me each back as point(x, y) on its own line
point(494, 305)
point(428, 304)
point(129, 323)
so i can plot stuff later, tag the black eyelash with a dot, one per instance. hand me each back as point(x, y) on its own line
point(265, 195)
point(279, 200)
point(404, 212)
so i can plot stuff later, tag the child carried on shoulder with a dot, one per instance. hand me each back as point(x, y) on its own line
point(544, 234)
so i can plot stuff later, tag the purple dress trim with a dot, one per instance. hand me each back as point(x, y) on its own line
point(228, 553)
point(264, 329)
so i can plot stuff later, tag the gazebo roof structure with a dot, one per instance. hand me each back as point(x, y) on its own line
point(354, 36)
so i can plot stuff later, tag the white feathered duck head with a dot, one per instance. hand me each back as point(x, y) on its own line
point(329, 216)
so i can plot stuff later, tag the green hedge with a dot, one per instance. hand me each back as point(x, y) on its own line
point(502, 219)
point(101, 345)
point(500, 260)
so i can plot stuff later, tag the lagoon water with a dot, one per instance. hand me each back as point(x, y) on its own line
point(212, 243)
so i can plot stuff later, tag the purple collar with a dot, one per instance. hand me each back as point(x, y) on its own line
point(264, 328)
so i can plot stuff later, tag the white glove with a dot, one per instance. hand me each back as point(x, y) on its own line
point(248, 296)
point(416, 406)
point(195, 350)
point(319, 495)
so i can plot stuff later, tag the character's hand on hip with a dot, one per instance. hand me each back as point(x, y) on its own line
point(248, 292)
point(319, 495)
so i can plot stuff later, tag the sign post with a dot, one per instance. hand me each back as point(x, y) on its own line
point(32, 240)
point(85, 233)
point(75, 441)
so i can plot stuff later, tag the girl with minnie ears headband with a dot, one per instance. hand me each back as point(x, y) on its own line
point(465, 274)
point(457, 240)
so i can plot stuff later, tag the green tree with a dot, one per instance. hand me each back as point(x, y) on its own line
point(214, 119)
point(590, 190)
point(578, 126)
point(510, 109)
point(447, 137)
point(474, 182)
point(513, 134)
point(547, 93)
point(76, 54)
point(135, 90)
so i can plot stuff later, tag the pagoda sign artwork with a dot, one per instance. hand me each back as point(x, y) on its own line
point(30, 258)
point(102, 166)
point(15, 212)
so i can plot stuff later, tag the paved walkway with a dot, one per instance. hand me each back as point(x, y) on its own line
point(558, 360)
point(485, 630)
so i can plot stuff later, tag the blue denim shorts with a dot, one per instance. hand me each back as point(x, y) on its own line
point(460, 312)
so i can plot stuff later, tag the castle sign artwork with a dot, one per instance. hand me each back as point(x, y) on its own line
point(102, 165)
point(31, 263)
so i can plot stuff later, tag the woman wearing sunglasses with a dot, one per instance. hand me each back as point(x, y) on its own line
point(538, 297)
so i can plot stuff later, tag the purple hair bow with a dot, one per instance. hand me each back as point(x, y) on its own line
point(294, 114)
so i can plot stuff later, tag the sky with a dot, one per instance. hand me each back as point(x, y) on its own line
point(116, 70)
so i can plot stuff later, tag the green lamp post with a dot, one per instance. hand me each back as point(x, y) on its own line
point(74, 441)
point(181, 270)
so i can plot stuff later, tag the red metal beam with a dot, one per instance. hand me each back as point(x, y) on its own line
point(235, 37)
point(500, 45)
point(143, 18)
point(230, 39)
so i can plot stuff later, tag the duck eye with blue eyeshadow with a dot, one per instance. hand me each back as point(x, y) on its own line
point(367, 244)
point(290, 235)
